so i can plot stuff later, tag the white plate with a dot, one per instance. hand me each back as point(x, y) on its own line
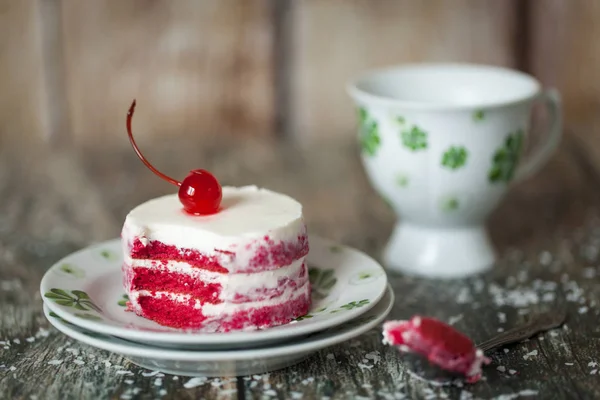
point(227, 363)
point(85, 288)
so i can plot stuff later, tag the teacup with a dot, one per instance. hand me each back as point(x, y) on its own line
point(442, 143)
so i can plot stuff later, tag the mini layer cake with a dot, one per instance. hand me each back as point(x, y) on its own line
point(242, 268)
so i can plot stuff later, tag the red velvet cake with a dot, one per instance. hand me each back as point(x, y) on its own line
point(242, 268)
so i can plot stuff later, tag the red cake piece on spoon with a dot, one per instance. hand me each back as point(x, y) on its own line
point(440, 343)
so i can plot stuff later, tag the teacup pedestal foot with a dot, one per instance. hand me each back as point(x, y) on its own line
point(439, 252)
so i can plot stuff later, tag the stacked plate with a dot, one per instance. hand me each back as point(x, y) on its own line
point(84, 298)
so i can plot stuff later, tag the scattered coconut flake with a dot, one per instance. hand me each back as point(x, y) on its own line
point(593, 372)
point(175, 378)
point(512, 371)
point(545, 258)
point(569, 364)
point(501, 368)
point(128, 381)
point(73, 351)
point(296, 395)
point(530, 354)
point(589, 273)
point(464, 395)
point(30, 339)
point(454, 319)
point(548, 297)
point(55, 362)
point(464, 296)
point(582, 310)
point(506, 351)
point(151, 373)
point(374, 355)
point(107, 363)
point(42, 333)
point(365, 366)
point(12, 368)
point(270, 392)
point(158, 382)
point(592, 364)
point(500, 329)
point(195, 382)
point(502, 317)
point(16, 341)
point(163, 392)
point(124, 372)
point(79, 362)
point(308, 380)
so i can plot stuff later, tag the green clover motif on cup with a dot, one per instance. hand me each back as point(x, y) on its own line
point(402, 180)
point(77, 299)
point(368, 133)
point(455, 157)
point(414, 138)
point(506, 158)
point(321, 281)
point(449, 204)
point(478, 115)
point(72, 270)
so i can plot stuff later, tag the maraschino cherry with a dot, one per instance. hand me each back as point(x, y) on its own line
point(200, 192)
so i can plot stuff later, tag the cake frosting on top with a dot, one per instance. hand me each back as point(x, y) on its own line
point(241, 268)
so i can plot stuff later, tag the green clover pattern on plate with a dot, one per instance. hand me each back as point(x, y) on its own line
point(321, 281)
point(352, 305)
point(414, 138)
point(368, 133)
point(455, 157)
point(77, 299)
point(108, 255)
point(506, 158)
point(72, 270)
point(123, 301)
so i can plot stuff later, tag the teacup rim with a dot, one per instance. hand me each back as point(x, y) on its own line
point(363, 96)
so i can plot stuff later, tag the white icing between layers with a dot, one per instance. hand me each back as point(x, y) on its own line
point(248, 214)
point(231, 284)
point(223, 309)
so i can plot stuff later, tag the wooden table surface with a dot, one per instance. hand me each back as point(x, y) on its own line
point(54, 201)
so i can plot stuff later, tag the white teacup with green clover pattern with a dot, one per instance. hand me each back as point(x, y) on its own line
point(442, 143)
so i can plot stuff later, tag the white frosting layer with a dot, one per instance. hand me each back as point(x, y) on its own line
point(248, 215)
point(231, 284)
point(222, 310)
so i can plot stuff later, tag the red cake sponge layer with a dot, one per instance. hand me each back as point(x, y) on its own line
point(265, 254)
point(184, 315)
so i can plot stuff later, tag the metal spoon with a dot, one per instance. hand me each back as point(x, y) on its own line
point(539, 323)
point(421, 369)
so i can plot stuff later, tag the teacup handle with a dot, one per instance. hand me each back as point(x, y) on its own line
point(544, 150)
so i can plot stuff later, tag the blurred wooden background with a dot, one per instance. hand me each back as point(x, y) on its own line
point(269, 68)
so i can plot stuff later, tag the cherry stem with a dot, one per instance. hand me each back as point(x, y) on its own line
point(139, 153)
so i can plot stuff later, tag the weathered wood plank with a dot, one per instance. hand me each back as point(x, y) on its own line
point(566, 55)
point(335, 40)
point(85, 197)
point(196, 67)
point(23, 102)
